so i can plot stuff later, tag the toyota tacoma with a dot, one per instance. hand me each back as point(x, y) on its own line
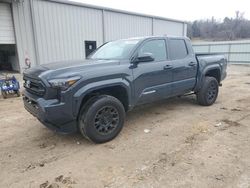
point(93, 95)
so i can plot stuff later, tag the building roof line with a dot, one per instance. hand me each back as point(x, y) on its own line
point(114, 10)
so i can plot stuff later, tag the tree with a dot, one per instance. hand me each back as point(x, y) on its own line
point(195, 29)
point(229, 29)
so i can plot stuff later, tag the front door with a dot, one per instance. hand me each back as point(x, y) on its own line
point(152, 80)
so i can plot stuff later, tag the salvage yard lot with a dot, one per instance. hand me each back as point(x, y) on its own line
point(187, 145)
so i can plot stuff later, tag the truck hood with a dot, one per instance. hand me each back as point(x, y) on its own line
point(68, 68)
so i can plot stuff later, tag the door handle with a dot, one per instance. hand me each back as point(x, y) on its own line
point(166, 67)
point(192, 64)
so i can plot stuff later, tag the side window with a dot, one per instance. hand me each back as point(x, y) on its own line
point(156, 47)
point(177, 49)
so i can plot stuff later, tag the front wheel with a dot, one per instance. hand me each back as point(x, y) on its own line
point(4, 94)
point(208, 92)
point(101, 119)
point(17, 93)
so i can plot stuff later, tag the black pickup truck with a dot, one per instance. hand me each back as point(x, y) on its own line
point(93, 95)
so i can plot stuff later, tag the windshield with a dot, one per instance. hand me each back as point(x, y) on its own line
point(119, 49)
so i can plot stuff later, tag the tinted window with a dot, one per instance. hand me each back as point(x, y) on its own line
point(156, 47)
point(177, 49)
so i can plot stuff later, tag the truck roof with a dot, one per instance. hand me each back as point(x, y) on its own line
point(149, 37)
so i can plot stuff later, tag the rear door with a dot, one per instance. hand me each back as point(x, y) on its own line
point(184, 66)
point(152, 80)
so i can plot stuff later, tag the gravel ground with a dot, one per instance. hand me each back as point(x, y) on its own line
point(172, 143)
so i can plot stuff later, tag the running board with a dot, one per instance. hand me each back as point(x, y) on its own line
point(187, 94)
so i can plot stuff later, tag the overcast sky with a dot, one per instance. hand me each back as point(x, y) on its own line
point(187, 10)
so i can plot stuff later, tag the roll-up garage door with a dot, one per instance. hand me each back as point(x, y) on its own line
point(6, 25)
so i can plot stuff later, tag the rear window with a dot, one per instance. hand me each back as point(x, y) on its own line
point(177, 49)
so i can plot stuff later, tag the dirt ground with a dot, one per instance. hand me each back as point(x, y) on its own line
point(186, 145)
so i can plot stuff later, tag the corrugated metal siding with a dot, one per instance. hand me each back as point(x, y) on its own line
point(119, 25)
point(163, 27)
point(24, 33)
point(221, 48)
point(235, 51)
point(53, 30)
point(244, 47)
point(62, 29)
point(6, 25)
point(201, 49)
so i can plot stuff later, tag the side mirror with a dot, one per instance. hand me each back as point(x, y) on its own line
point(146, 57)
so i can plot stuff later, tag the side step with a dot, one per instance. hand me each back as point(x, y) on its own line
point(187, 94)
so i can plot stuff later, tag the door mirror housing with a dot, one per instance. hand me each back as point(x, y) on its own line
point(146, 57)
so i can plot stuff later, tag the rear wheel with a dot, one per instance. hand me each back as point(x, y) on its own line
point(208, 92)
point(101, 119)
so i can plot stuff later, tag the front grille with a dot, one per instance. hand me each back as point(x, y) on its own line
point(34, 86)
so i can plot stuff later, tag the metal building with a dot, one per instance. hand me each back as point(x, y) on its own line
point(44, 31)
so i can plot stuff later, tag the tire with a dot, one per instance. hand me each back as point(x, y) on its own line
point(18, 93)
point(208, 92)
point(101, 119)
point(4, 94)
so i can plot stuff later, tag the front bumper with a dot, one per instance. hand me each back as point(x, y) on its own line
point(51, 113)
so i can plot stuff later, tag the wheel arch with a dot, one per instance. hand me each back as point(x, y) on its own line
point(212, 71)
point(119, 89)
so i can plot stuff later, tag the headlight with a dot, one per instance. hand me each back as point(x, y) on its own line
point(64, 83)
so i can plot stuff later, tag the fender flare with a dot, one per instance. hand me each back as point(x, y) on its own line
point(201, 76)
point(83, 91)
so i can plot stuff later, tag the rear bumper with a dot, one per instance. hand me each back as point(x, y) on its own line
point(51, 113)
